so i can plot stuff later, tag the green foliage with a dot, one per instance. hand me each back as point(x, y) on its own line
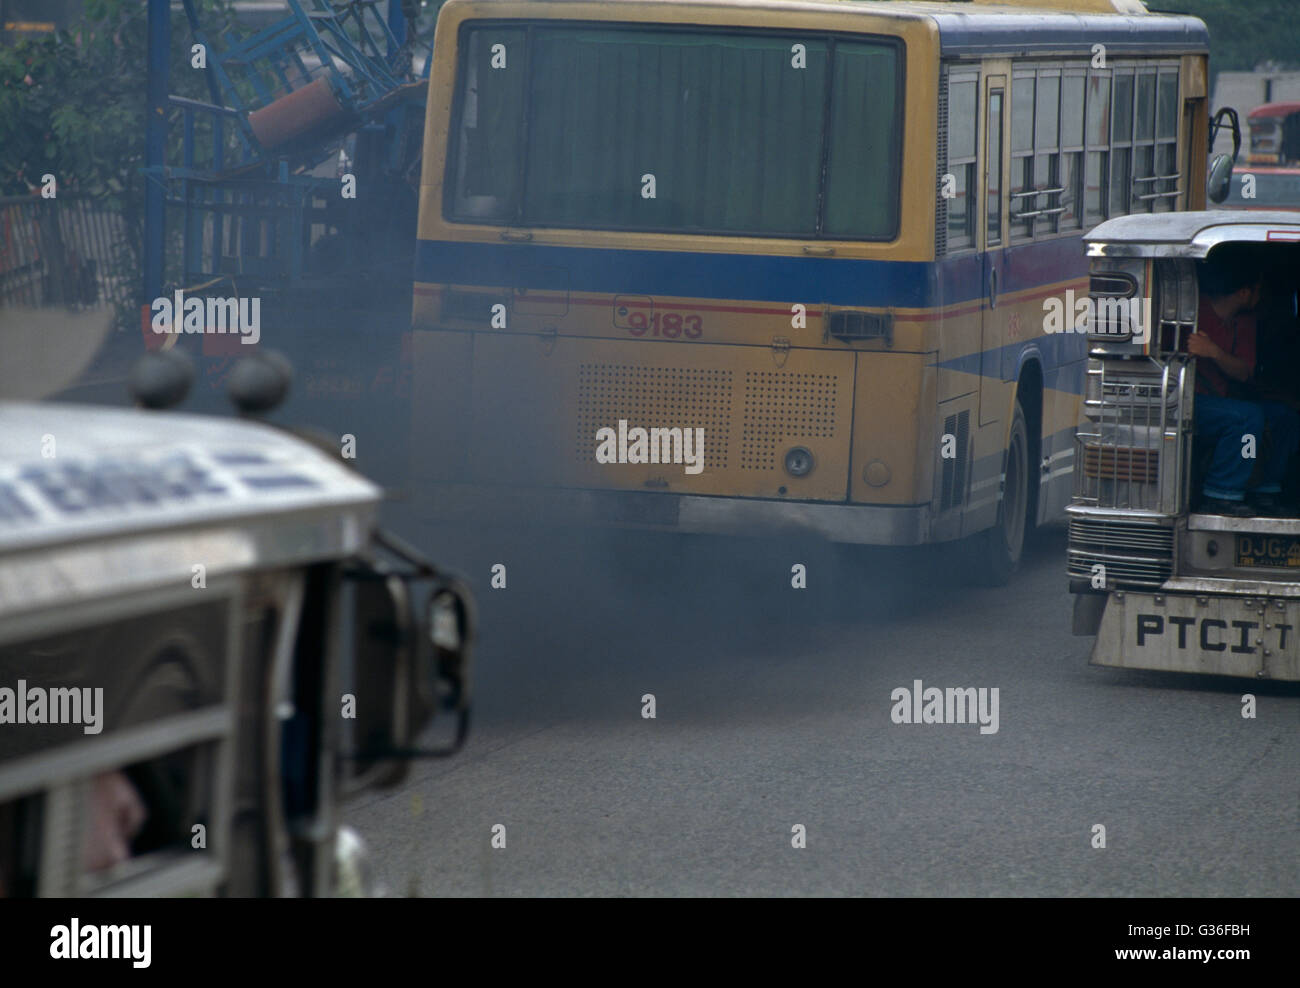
point(1244, 33)
point(73, 104)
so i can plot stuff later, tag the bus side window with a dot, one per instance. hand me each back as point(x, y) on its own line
point(1071, 166)
point(1023, 195)
point(963, 111)
point(1121, 143)
point(1167, 142)
point(993, 156)
point(1097, 165)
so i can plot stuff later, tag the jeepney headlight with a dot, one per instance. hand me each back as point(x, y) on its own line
point(799, 461)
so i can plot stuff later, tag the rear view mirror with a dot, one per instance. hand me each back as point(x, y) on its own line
point(1220, 180)
point(407, 664)
point(383, 646)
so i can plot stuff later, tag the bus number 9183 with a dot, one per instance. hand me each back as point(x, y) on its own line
point(672, 325)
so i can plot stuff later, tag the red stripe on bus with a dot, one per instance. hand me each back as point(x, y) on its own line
point(756, 310)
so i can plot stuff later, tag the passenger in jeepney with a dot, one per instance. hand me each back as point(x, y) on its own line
point(1246, 471)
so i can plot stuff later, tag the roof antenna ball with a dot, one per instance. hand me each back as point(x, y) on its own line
point(161, 379)
point(259, 382)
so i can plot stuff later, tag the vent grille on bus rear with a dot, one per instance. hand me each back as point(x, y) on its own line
point(654, 397)
point(941, 204)
point(779, 405)
point(953, 490)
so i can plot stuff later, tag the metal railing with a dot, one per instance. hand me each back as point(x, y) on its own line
point(68, 251)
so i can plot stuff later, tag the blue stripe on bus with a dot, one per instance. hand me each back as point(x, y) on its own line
point(753, 277)
point(1061, 356)
point(838, 281)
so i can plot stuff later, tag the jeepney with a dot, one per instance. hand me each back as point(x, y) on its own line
point(201, 624)
point(1160, 585)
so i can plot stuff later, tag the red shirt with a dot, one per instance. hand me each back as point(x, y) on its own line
point(1237, 337)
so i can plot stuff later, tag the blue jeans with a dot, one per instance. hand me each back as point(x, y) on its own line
point(1225, 422)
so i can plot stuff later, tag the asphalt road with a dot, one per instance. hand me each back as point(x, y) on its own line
point(773, 710)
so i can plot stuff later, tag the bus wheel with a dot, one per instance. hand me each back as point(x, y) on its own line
point(996, 551)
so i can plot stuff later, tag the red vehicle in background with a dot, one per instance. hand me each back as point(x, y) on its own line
point(1275, 135)
point(1271, 177)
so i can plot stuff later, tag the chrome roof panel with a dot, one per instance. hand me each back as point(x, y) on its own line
point(133, 498)
point(1190, 234)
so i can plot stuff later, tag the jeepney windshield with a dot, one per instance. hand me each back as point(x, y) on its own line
point(643, 127)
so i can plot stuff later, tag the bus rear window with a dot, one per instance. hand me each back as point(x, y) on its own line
point(644, 128)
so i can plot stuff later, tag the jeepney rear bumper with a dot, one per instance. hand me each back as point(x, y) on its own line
point(1256, 637)
point(566, 507)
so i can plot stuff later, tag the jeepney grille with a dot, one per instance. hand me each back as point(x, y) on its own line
point(782, 405)
point(1133, 553)
point(1141, 466)
point(654, 397)
point(1131, 453)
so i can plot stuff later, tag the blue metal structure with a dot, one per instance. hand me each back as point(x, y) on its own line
point(256, 199)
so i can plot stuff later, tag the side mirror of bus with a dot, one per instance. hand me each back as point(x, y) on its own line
point(1220, 180)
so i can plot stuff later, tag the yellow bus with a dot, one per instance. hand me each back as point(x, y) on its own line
point(816, 238)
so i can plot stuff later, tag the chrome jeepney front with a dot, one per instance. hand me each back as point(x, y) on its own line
point(1162, 587)
point(1133, 470)
point(1133, 451)
point(175, 599)
point(1131, 474)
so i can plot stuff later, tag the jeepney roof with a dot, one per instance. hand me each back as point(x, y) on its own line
point(1190, 234)
point(97, 501)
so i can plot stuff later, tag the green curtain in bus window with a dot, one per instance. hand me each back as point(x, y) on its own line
point(963, 109)
point(1122, 120)
point(1166, 164)
point(862, 172)
point(1120, 181)
point(487, 149)
point(727, 126)
point(1022, 114)
point(1047, 117)
point(1069, 181)
point(1146, 106)
point(1072, 111)
point(1094, 188)
point(1098, 111)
